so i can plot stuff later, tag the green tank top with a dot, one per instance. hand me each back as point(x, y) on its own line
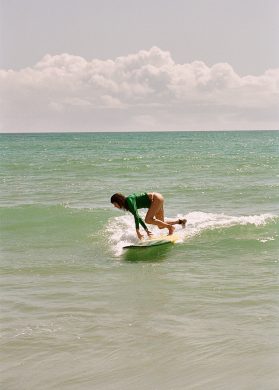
point(134, 202)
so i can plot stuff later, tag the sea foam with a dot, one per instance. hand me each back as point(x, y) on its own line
point(121, 230)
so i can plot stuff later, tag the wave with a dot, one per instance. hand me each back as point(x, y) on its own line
point(51, 221)
point(200, 221)
point(64, 223)
point(121, 230)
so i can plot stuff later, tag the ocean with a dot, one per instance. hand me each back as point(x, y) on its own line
point(79, 312)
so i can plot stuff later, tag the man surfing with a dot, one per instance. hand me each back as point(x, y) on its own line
point(154, 202)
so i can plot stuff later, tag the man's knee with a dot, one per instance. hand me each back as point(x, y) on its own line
point(149, 220)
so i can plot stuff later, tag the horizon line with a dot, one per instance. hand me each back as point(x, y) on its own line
point(134, 131)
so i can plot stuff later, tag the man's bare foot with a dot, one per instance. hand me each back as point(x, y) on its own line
point(171, 230)
point(182, 222)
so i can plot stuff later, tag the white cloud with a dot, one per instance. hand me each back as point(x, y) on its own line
point(142, 91)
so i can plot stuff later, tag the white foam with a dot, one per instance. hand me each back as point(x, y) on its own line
point(121, 230)
point(200, 221)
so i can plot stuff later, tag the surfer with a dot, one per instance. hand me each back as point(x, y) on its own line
point(154, 202)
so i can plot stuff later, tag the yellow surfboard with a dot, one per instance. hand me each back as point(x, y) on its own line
point(154, 241)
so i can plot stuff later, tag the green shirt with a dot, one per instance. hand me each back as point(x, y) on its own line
point(138, 201)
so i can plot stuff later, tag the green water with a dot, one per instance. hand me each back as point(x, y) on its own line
point(79, 312)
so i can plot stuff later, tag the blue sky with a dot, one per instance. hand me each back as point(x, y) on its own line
point(216, 68)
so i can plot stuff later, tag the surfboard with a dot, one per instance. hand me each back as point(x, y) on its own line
point(154, 241)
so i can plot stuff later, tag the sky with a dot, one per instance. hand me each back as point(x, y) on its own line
point(126, 65)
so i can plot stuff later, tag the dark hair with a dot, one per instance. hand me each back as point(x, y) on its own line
point(119, 199)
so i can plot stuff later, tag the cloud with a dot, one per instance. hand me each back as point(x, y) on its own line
point(142, 91)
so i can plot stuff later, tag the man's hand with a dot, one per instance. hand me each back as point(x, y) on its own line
point(140, 236)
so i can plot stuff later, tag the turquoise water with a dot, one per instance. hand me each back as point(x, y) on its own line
point(79, 312)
